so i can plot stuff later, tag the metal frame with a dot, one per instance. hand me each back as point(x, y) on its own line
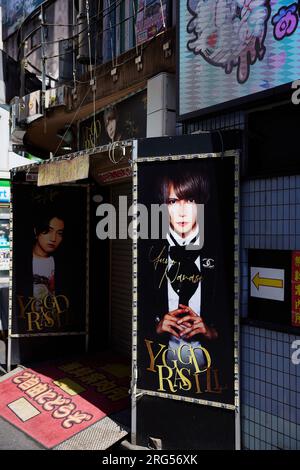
point(93, 151)
point(10, 280)
point(10, 309)
point(136, 393)
point(87, 288)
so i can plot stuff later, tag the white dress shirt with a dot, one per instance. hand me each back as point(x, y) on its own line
point(194, 303)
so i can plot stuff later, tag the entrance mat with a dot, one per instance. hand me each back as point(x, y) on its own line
point(54, 401)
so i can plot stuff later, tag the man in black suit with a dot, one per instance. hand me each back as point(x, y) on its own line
point(188, 301)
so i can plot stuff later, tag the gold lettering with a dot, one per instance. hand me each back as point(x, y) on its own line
point(184, 382)
point(194, 359)
point(176, 274)
point(49, 319)
point(23, 307)
point(193, 278)
point(61, 303)
point(160, 260)
point(208, 380)
point(198, 389)
point(163, 357)
point(90, 133)
point(33, 318)
point(152, 357)
point(180, 356)
point(161, 379)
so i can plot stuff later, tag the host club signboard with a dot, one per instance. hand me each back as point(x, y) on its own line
point(185, 279)
point(230, 50)
point(49, 259)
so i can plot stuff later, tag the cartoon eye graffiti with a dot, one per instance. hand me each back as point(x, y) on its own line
point(229, 33)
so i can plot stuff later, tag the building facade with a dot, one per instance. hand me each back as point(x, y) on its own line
point(107, 72)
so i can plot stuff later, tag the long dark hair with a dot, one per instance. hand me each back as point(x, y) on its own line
point(43, 216)
point(187, 185)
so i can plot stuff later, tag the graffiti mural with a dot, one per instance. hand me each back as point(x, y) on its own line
point(229, 34)
point(233, 49)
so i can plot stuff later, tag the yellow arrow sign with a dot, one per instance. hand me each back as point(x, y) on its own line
point(266, 282)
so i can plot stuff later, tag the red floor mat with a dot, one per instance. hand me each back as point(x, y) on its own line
point(54, 401)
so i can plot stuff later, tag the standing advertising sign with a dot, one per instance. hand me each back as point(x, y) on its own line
point(296, 288)
point(186, 280)
point(49, 262)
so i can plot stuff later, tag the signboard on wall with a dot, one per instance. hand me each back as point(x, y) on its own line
point(296, 288)
point(235, 49)
point(49, 259)
point(4, 226)
point(124, 120)
point(267, 283)
point(4, 245)
point(152, 18)
point(15, 12)
point(270, 297)
point(4, 191)
point(56, 97)
point(185, 280)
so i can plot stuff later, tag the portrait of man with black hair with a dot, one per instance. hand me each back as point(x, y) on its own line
point(186, 311)
point(48, 236)
point(49, 260)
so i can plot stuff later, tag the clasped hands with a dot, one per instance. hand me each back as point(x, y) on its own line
point(185, 323)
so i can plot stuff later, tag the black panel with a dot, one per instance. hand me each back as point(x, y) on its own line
point(273, 136)
point(99, 279)
point(183, 425)
point(207, 142)
point(37, 349)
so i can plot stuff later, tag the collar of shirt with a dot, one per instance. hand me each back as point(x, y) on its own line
point(183, 241)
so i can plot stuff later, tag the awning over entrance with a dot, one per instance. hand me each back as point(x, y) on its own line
point(105, 164)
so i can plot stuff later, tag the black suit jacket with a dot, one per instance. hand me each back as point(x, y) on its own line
point(217, 307)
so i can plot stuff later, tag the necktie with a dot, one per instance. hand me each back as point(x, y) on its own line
point(183, 275)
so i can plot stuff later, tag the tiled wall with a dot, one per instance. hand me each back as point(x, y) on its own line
point(271, 213)
point(270, 382)
point(270, 391)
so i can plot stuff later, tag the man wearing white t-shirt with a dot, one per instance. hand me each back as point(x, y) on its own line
point(48, 238)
